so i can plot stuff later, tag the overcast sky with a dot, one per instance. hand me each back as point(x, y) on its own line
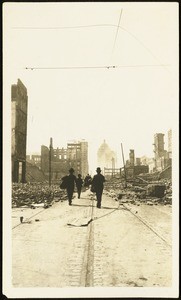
point(127, 104)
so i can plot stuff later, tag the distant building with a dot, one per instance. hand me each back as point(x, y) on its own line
point(59, 165)
point(133, 169)
point(75, 156)
point(163, 162)
point(147, 161)
point(170, 143)
point(138, 161)
point(131, 158)
point(19, 108)
point(159, 145)
point(34, 159)
point(162, 157)
point(106, 158)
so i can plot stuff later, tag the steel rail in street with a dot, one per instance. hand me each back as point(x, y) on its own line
point(148, 226)
point(92, 219)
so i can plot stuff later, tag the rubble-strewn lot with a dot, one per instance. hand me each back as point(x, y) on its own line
point(31, 195)
point(140, 191)
point(136, 192)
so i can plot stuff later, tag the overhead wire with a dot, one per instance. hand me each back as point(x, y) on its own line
point(118, 26)
point(87, 26)
point(64, 27)
point(99, 25)
point(93, 67)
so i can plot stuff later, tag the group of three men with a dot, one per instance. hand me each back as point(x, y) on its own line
point(97, 182)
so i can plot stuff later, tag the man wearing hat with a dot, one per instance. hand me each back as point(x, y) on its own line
point(97, 182)
point(79, 183)
point(71, 180)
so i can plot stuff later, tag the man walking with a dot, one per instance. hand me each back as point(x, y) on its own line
point(79, 183)
point(98, 184)
point(87, 181)
point(71, 180)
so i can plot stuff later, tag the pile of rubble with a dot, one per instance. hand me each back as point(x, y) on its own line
point(35, 194)
point(150, 193)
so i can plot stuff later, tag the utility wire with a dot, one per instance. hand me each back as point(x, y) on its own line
point(117, 30)
point(71, 67)
point(64, 27)
point(95, 25)
point(92, 67)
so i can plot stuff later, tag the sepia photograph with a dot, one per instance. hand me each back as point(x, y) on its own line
point(90, 149)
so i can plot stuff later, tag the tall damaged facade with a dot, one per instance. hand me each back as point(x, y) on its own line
point(19, 108)
point(162, 157)
point(77, 156)
point(58, 162)
point(62, 159)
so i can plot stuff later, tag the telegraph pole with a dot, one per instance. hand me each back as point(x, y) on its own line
point(50, 158)
point(124, 166)
point(112, 166)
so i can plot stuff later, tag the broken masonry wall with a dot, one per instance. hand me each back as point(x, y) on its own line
point(19, 111)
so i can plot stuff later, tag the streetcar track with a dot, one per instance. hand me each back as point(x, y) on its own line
point(96, 218)
point(87, 269)
point(88, 261)
point(148, 226)
point(89, 253)
point(86, 275)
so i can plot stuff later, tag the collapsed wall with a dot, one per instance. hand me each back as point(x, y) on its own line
point(34, 174)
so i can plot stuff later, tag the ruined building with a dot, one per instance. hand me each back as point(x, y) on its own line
point(131, 158)
point(19, 106)
point(58, 162)
point(134, 166)
point(106, 158)
point(138, 161)
point(159, 145)
point(161, 156)
point(149, 161)
point(34, 159)
point(75, 156)
point(170, 141)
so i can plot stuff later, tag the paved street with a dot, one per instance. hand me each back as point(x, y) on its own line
point(119, 245)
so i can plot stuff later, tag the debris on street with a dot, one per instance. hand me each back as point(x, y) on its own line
point(35, 195)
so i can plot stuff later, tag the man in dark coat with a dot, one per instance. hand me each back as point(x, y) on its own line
point(79, 183)
point(98, 183)
point(71, 180)
point(87, 181)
